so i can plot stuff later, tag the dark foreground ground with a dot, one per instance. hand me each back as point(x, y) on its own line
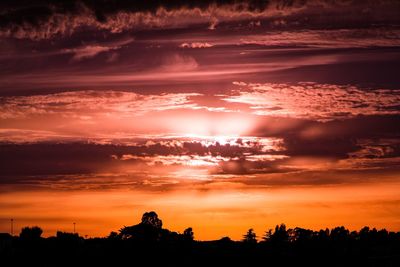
point(71, 251)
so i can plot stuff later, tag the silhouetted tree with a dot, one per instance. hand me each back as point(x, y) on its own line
point(143, 232)
point(188, 234)
point(250, 237)
point(279, 235)
point(113, 235)
point(364, 233)
point(268, 235)
point(323, 235)
point(151, 218)
point(301, 235)
point(339, 234)
point(150, 229)
point(31, 233)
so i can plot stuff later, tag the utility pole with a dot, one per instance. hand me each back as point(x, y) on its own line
point(12, 226)
point(74, 228)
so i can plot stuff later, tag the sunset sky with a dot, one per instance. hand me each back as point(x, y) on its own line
point(218, 115)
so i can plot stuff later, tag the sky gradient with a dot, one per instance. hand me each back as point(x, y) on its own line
point(219, 115)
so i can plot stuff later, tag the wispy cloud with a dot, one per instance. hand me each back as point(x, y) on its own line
point(87, 51)
point(195, 45)
point(336, 38)
point(79, 103)
point(91, 50)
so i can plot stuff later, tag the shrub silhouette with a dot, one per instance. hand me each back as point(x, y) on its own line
point(65, 236)
point(113, 235)
point(188, 234)
point(31, 233)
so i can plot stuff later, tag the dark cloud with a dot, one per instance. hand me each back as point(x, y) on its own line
point(334, 139)
point(255, 165)
point(276, 150)
point(70, 158)
point(44, 19)
point(155, 165)
point(319, 177)
point(357, 127)
point(338, 147)
point(51, 159)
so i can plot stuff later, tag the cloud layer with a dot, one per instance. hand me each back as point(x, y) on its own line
point(316, 101)
point(268, 131)
point(305, 100)
point(45, 19)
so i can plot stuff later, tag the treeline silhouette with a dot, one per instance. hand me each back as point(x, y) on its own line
point(147, 243)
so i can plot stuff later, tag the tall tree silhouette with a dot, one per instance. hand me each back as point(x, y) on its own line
point(250, 237)
point(279, 235)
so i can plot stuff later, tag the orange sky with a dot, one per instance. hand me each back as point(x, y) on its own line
point(212, 213)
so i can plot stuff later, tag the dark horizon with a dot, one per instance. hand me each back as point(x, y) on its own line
point(255, 238)
point(150, 243)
